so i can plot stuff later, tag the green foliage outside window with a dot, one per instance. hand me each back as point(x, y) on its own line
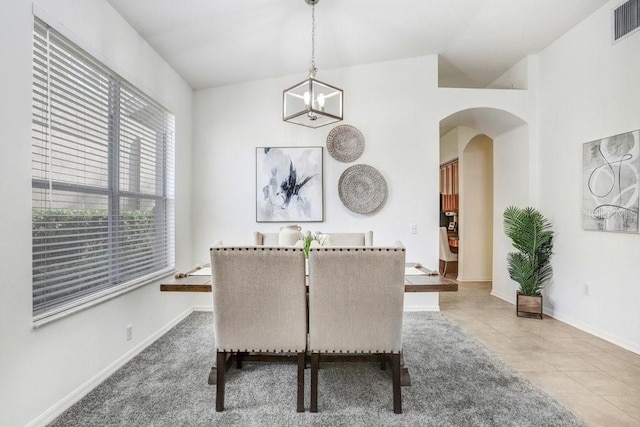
point(84, 239)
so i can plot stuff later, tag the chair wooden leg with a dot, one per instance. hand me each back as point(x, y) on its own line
point(444, 272)
point(220, 363)
point(383, 362)
point(315, 362)
point(397, 391)
point(300, 396)
point(239, 356)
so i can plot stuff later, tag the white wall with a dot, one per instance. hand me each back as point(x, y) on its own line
point(476, 210)
point(44, 369)
point(449, 146)
point(511, 173)
point(588, 89)
point(401, 141)
point(399, 118)
point(396, 105)
point(517, 77)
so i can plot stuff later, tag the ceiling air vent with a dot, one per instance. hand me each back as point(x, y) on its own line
point(626, 19)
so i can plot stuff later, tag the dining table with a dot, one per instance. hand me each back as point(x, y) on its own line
point(417, 279)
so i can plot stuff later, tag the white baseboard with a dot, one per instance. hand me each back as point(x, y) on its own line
point(510, 300)
point(203, 308)
point(474, 279)
point(621, 342)
point(422, 307)
point(75, 396)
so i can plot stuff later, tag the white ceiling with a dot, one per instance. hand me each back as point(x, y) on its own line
point(217, 42)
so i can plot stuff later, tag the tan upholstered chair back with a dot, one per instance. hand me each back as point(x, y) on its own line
point(351, 239)
point(337, 239)
point(259, 299)
point(356, 299)
point(265, 239)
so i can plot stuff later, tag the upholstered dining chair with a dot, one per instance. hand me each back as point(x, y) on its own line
point(356, 297)
point(265, 239)
point(259, 306)
point(446, 255)
point(351, 239)
point(337, 239)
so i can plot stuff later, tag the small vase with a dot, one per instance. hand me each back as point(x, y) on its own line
point(289, 235)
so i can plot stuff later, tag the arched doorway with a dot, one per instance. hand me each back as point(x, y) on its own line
point(493, 149)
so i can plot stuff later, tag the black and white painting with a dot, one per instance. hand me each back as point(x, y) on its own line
point(610, 176)
point(289, 184)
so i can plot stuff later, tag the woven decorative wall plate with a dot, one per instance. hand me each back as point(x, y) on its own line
point(362, 189)
point(345, 143)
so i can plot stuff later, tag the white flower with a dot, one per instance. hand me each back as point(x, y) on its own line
point(324, 240)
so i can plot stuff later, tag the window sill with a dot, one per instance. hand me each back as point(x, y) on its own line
point(98, 298)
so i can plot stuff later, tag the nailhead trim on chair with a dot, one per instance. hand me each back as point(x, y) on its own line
point(257, 248)
point(246, 350)
point(356, 249)
point(354, 351)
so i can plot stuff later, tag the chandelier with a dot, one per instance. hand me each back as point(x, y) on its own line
point(312, 103)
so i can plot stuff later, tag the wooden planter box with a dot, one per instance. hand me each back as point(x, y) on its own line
point(529, 305)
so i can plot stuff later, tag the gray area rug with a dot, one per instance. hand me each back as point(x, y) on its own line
point(456, 382)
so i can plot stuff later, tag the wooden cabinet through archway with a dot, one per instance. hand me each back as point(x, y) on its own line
point(449, 188)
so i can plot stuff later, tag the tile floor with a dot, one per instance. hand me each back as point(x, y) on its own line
point(597, 380)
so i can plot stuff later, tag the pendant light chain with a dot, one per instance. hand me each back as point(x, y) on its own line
point(312, 70)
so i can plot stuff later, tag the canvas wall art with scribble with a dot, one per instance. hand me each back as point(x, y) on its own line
point(289, 184)
point(610, 177)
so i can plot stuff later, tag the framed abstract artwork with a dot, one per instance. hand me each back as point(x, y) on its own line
point(289, 184)
point(610, 168)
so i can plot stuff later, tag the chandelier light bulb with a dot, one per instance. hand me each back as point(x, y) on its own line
point(321, 102)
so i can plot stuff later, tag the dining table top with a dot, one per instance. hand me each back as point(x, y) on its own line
point(417, 279)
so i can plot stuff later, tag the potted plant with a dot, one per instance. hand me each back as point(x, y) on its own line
point(531, 234)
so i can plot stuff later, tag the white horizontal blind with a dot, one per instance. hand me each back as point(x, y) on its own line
point(102, 179)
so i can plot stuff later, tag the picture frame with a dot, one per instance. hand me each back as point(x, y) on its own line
point(610, 171)
point(289, 184)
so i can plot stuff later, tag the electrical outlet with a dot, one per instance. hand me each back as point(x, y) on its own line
point(586, 289)
point(129, 332)
point(413, 229)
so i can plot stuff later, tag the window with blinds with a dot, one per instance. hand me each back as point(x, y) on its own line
point(102, 181)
